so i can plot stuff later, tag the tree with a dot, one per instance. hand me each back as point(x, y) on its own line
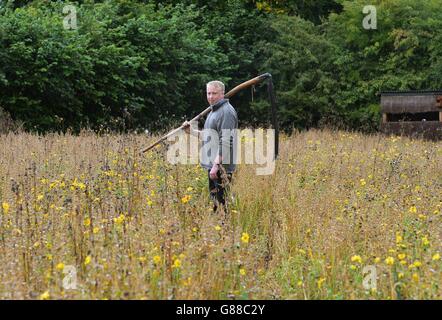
point(126, 58)
point(401, 54)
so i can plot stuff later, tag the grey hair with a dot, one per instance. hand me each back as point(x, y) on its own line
point(217, 84)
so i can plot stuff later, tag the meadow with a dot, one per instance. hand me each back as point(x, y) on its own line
point(88, 217)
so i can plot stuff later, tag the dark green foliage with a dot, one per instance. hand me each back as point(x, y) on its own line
point(401, 54)
point(333, 73)
point(144, 64)
point(127, 65)
point(302, 63)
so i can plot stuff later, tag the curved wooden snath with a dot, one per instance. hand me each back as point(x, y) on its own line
point(228, 95)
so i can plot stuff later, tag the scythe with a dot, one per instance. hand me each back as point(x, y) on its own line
point(231, 93)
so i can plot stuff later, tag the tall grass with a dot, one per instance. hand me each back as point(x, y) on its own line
point(136, 227)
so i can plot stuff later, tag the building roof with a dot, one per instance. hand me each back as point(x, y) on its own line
point(412, 93)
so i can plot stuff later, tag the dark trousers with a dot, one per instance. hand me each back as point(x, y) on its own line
point(218, 188)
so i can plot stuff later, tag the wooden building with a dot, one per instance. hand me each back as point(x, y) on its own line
point(412, 113)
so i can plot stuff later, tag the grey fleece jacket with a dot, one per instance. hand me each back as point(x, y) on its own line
point(219, 136)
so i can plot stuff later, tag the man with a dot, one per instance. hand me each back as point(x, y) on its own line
point(220, 161)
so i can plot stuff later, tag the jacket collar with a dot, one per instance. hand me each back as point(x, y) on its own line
point(217, 105)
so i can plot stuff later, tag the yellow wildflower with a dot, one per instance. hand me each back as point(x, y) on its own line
point(75, 184)
point(120, 219)
point(96, 230)
point(436, 257)
point(186, 199)
point(156, 259)
point(87, 222)
point(425, 241)
point(60, 266)
point(413, 209)
point(245, 237)
point(176, 263)
point(45, 295)
point(320, 282)
point(217, 228)
point(356, 258)
point(415, 277)
point(242, 271)
point(187, 281)
point(5, 207)
point(87, 260)
point(401, 256)
point(417, 264)
point(389, 261)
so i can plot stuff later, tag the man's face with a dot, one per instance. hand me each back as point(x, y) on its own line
point(214, 94)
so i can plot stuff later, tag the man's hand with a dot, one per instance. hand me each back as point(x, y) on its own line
point(214, 172)
point(186, 127)
point(190, 129)
point(216, 163)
